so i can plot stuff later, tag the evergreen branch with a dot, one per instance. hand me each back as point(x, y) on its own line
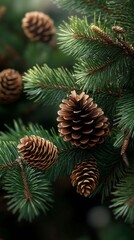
point(10, 139)
point(122, 203)
point(27, 192)
point(80, 39)
point(28, 207)
point(68, 158)
point(98, 5)
point(107, 39)
point(8, 165)
point(8, 155)
point(108, 73)
point(103, 100)
point(124, 116)
point(48, 86)
point(84, 6)
point(122, 13)
point(108, 63)
point(126, 47)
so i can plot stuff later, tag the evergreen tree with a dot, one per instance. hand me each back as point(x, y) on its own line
point(94, 103)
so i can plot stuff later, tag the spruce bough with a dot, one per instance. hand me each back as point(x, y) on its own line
point(104, 55)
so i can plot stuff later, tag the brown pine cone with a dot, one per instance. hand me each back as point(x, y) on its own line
point(85, 177)
point(2, 11)
point(37, 152)
point(81, 122)
point(11, 85)
point(38, 26)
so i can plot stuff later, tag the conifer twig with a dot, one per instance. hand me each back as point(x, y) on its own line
point(125, 46)
point(57, 87)
point(27, 192)
point(8, 165)
point(124, 149)
point(102, 34)
point(103, 66)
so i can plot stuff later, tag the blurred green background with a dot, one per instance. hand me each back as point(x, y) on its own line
point(73, 217)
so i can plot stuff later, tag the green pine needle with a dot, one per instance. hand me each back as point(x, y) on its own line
point(123, 201)
point(40, 189)
point(48, 86)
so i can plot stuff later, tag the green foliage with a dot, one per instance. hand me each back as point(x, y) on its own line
point(104, 69)
point(78, 39)
point(124, 117)
point(48, 86)
point(40, 189)
point(103, 73)
point(122, 12)
point(8, 152)
point(123, 201)
point(84, 7)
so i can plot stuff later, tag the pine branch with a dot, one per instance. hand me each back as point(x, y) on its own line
point(8, 155)
point(84, 6)
point(122, 12)
point(19, 130)
point(48, 86)
point(124, 116)
point(68, 157)
point(80, 39)
point(27, 205)
point(8, 165)
point(27, 192)
point(122, 203)
point(103, 73)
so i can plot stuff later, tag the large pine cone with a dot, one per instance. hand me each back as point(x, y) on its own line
point(38, 26)
point(81, 122)
point(37, 152)
point(85, 177)
point(11, 85)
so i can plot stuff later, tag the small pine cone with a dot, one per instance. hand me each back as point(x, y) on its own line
point(37, 152)
point(81, 122)
point(38, 26)
point(11, 85)
point(118, 29)
point(85, 177)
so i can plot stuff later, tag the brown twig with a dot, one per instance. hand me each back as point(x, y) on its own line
point(124, 45)
point(27, 192)
point(58, 87)
point(103, 66)
point(124, 149)
point(8, 165)
point(102, 34)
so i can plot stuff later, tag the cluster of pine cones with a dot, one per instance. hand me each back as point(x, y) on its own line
point(81, 123)
point(80, 120)
point(37, 26)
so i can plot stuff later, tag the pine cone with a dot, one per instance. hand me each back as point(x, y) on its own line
point(11, 85)
point(37, 152)
point(81, 122)
point(38, 26)
point(85, 177)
